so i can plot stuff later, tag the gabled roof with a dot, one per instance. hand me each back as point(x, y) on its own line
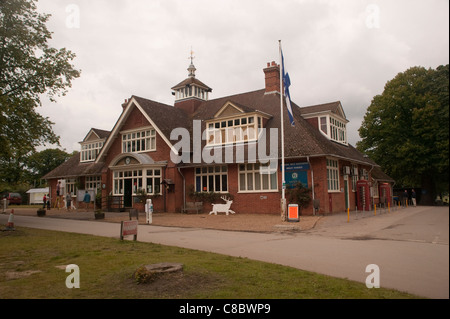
point(333, 107)
point(302, 140)
point(231, 108)
point(99, 134)
point(162, 117)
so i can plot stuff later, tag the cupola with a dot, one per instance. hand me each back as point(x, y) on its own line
point(191, 92)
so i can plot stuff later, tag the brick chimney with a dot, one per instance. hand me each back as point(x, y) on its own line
point(272, 73)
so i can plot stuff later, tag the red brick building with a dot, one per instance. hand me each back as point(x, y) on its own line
point(226, 146)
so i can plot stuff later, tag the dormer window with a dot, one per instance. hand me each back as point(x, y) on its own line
point(234, 130)
point(92, 145)
point(333, 128)
point(235, 123)
point(89, 151)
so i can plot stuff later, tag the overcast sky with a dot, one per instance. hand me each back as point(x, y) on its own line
point(334, 50)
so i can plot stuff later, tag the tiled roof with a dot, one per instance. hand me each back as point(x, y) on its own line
point(333, 107)
point(301, 140)
point(101, 133)
point(165, 117)
point(73, 168)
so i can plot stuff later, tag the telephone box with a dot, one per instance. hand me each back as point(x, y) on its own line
point(363, 195)
point(385, 194)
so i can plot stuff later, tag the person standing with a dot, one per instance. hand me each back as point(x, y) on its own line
point(68, 201)
point(58, 193)
point(413, 197)
point(45, 201)
point(48, 202)
point(87, 199)
point(405, 198)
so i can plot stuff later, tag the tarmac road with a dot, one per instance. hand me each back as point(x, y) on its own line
point(409, 246)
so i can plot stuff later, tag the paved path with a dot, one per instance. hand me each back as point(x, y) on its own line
point(335, 248)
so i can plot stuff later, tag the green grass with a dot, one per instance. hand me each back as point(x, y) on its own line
point(107, 265)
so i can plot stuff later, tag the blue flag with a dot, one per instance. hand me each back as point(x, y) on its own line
point(287, 84)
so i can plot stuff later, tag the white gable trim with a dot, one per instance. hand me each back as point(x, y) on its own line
point(227, 105)
point(117, 128)
point(155, 127)
point(87, 137)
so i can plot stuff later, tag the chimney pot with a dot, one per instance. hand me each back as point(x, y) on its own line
point(272, 78)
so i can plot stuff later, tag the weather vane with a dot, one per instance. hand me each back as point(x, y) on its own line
point(192, 57)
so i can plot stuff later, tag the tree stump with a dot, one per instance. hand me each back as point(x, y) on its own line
point(149, 273)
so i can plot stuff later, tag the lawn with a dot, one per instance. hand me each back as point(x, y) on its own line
point(32, 265)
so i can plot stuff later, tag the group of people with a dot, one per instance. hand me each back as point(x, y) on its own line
point(68, 199)
point(406, 197)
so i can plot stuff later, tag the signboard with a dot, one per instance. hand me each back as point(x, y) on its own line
point(296, 173)
point(296, 167)
point(128, 228)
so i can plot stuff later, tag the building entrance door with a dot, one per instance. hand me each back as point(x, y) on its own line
point(128, 193)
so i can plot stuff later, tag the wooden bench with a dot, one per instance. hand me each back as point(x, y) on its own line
point(192, 206)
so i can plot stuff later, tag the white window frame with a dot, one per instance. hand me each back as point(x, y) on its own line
point(233, 130)
point(209, 175)
point(139, 177)
point(253, 177)
point(139, 141)
point(92, 182)
point(89, 151)
point(71, 186)
point(338, 130)
point(333, 175)
point(355, 177)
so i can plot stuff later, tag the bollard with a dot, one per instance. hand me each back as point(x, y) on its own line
point(149, 211)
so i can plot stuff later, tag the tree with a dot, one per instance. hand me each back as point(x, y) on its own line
point(29, 68)
point(300, 195)
point(406, 130)
point(41, 163)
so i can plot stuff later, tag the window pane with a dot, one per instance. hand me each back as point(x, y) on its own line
point(204, 183)
point(257, 181)
point(217, 183)
point(211, 183)
point(249, 181)
point(157, 185)
point(242, 182)
point(224, 183)
point(265, 181)
point(273, 181)
point(150, 185)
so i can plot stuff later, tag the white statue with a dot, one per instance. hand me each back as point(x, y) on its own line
point(222, 208)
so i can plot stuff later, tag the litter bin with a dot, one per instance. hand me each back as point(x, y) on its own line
point(293, 213)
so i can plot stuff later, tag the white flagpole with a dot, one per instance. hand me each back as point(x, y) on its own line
point(283, 169)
